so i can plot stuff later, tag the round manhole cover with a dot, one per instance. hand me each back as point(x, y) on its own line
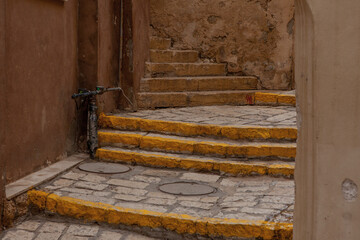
point(107, 168)
point(187, 189)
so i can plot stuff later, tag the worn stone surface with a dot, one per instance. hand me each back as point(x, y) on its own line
point(253, 37)
point(268, 116)
point(260, 198)
point(46, 228)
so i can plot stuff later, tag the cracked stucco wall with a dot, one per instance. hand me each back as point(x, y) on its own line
point(255, 37)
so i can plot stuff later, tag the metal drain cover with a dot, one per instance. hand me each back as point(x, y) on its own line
point(107, 168)
point(187, 189)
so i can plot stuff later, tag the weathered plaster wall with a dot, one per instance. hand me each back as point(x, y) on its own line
point(327, 159)
point(40, 76)
point(253, 37)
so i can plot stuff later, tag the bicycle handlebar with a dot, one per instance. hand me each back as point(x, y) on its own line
point(99, 91)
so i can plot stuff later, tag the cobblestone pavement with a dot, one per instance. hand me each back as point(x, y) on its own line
point(45, 228)
point(252, 198)
point(268, 116)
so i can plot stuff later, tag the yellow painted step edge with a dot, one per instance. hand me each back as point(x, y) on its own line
point(274, 99)
point(190, 129)
point(230, 167)
point(193, 147)
point(182, 224)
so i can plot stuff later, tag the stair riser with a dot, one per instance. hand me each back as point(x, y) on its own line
point(148, 100)
point(191, 147)
point(191, 130)
point(192, 84)
point(160, 43)
point(179, 70)
point(173, 56)
point(192, 99)
point(231, 168)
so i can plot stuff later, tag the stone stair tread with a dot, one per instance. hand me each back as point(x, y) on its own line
point(198, 145)
point(184, 69)
point(134, 198)
point(174, 56)
point(200, 139)
point(201, 158)
point(236, 116)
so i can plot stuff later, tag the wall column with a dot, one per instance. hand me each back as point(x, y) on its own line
point(328, 83)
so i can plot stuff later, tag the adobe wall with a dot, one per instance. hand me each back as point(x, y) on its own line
point(253, 37)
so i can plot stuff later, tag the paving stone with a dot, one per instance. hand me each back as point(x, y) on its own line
point(63, 182)
point(90, 185)
point(145, 179)
point(157, 201)
point(48, 236)
point(73, 237)
point(94, 178)
point(142, 206)
point(77, 190)
point(160, 173)
point(126, 183)
point(277, 199)
point(160, 195)
point(83, 230)
point(189, 198)
point(29, 225)
point(272, 206)
point(130, 191)
point(229, 183)
point(192, 212)
point(237, 204)
point(130, 198)
point(258, 211)
point(242, 197)
point(205, 206)
point(137, 237)
point(52, 227)
point(200, 177)
point(19, 234)
point(73, 176)
point(102, 194)
point(282, 191)
point(107, 235)
point(209, 199)
point(253, 189)
point(92, 198)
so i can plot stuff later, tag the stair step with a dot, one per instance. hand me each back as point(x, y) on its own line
point(184, 69)
point(174, 56)
point(186, 84)
point(237, 207)
point(48, 227)
point(193, 129)
point(231, 166)
point(190, 99)
point(160, 43)
point(151, 100)
point(199, 145)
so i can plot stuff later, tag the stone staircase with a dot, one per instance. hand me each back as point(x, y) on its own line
point(231, 146)
point(178, 78)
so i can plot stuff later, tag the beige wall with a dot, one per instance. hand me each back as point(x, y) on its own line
point(253, 37)
point(328, 82)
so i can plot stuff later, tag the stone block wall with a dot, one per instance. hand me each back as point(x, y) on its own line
point(254, 37)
